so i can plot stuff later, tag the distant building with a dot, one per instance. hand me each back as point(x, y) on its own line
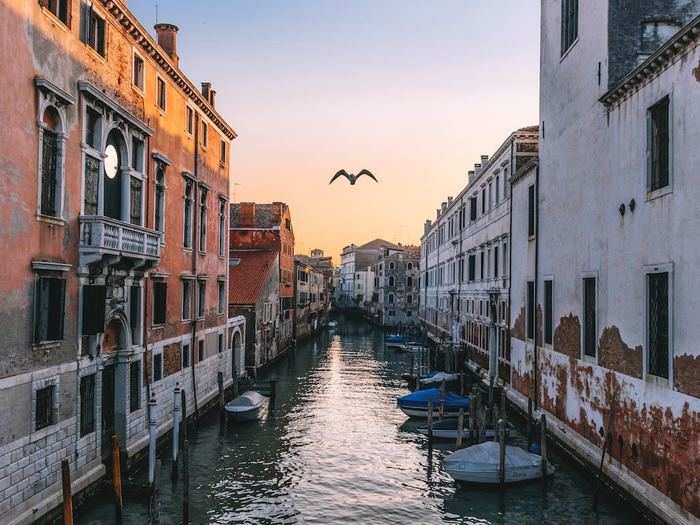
point(311, 298)
point(269, 227)
point(356, 280)
point(254, 294)
point(395, 298)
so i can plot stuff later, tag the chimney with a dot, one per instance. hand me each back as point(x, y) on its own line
point(477, 168)
point(470, 176)
point(449, 201)
point(443, 207)
point(212, 97)
point(247, 216)
point(167, 39)
point(206, 88)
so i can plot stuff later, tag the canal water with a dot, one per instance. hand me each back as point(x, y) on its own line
point(338, 451)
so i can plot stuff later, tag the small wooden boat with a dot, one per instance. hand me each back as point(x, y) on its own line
point(247, 406)
point(447, 429)
point(479, 464)
point(416, 403)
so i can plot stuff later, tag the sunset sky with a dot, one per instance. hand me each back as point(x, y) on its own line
point(413, 91)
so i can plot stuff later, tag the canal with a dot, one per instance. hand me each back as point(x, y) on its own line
point(337, 451)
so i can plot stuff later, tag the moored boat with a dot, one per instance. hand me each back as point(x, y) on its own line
point(416, 403)
point(480, 464)
point(246, 407)
point(447, 429)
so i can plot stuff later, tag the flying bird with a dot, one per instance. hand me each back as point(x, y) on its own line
point(352, 178)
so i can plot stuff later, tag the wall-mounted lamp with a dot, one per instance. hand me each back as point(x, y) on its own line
point(621, 209)
point(632, 205)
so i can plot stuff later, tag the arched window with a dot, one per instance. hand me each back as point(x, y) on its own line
point(202, 219)
point(391, 281)
point(113, 165)
point(51, 163)
point(391, 265)
point(410, 266)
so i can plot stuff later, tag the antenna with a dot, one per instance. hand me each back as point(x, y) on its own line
point(156, 11)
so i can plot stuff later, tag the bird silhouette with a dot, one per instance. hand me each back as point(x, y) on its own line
point(352, 178)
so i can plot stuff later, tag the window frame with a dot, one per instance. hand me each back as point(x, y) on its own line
point(37, 386)
point(189, 120)
point(667, 268)
point(569, 31)
point(157, 283)
point(186, 287)
point(157, 354)
point(160, 81)
point(530, 311)
point(87, 427)
point(86, 38)
point(61, 277)
point(139, 88)
point(651, 191)
point(588, 357)
point(201, 299)
point(135, 405)
point(548, 312)
point(221, 291)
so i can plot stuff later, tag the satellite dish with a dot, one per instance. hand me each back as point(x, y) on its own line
point(111, 162)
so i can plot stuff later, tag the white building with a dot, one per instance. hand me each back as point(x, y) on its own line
point(465, 255)
point(356, 282)
point(606, 284)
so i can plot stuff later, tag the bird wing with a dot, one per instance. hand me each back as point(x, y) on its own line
point(368, 173)
point(341, 173)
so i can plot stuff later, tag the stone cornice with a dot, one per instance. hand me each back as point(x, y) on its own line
point(658, 62)
point(149, 46)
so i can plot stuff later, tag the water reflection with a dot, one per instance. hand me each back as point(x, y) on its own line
point(335, 450)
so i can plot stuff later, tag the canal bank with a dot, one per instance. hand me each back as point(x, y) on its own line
point(336, 450)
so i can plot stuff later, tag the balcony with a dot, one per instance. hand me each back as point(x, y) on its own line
point(110, 241)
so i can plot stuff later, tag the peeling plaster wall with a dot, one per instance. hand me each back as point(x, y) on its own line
point(590, 163)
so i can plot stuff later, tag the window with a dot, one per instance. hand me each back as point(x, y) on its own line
point(137, 154)
point(160, 197)
point(48, 309)
point(222, 296)
point(134, 311)
point(59, 8)
point(569, 24)
point(186, 299)
point(483, 201)
point(185, 355)
point(490, 196)
point(530, 310)
point(472, 208)
point(548, 312)
point(87, 405)
point(222, 227)
point(93, 318)
point(138, 72)
point(658, 158)
point(187, 214)
point(202, 219)
point(498, 189)
point(495, 262)
point(531, 211)
point(222, 152)
point(135, 202)
point(409, 299)
point(391, 281)
point(205, 134)
point(157, 367)
point(658, 324)
point(92, 28)
point(391, 265)
point(160, 291)
point(589, 313)
point(45, 414)
point(472, 267)
point(409, 282)
point(483, 265)
point(220, 343)
point(189, 120)
point(51, 163)
point(201, 298)
point(200, 349)
point(134, 386)
point(391, 298)
point(161, 93)
point(505, 258)
point(93, 121)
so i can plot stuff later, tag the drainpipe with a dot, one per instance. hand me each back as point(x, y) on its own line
point(144, 310)
point(510, 238)
point(195, 249)
point(537, 253)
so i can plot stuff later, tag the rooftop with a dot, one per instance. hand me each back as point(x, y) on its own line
point(248, 277)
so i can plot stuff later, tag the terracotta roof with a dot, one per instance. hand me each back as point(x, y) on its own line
point(248, 277)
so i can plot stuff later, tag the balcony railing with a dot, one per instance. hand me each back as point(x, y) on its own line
point(103, 235)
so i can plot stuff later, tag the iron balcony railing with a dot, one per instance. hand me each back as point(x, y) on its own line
point(104, 235)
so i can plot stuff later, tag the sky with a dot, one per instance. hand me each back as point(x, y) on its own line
point(414, 91)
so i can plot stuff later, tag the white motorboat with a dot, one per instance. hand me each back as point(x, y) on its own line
point(438, 377)
point(247, 406)
point(479, 464)
point(447, 429)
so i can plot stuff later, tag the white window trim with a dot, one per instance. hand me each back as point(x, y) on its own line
point(648, 376)
point(189, 132)
point(141, 90)
point(187, 279)
point(655, 194)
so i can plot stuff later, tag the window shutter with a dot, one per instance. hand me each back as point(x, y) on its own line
point(84, 22)
point(94, 309)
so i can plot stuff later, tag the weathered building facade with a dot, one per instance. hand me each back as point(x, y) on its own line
point(603, 331)
point(254, 294)
point(269, 227)
point(356, 283)
point(395, 299)
point(115, 183)
point(311, 298)
point(465, 257)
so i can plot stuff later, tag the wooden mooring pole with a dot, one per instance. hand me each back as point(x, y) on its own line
point(460, 428)
point(529, 423)
point(186, 482)
point(67, 493)
point(117, 478)
point(501, 452)
point(177, 415)
point(273, 392)
point(543, 444)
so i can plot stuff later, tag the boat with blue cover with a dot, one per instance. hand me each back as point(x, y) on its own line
point(395, 341)
point(416, 403)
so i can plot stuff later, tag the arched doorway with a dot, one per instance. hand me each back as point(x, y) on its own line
point(114, 162)
point(114, 339)
point(236, 354)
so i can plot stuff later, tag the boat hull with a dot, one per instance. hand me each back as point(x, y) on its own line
point(422, 413)
point(491, 476)
point(248, 415)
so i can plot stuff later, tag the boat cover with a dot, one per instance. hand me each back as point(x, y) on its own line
point(439, 377)
point(420, 398)
point(246, 401)
point(486, 456)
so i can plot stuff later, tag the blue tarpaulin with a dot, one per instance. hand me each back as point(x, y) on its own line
point(420, 398)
